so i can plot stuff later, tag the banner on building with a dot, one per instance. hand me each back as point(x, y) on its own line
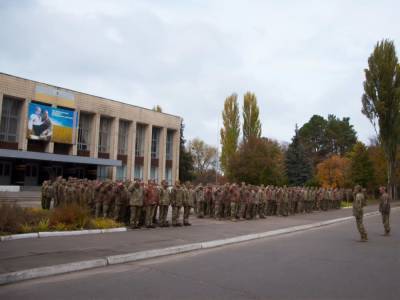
point(48, 123)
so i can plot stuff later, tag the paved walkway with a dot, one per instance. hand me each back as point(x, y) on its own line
point(25, 254)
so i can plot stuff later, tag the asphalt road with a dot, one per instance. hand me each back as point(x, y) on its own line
point(325, 263)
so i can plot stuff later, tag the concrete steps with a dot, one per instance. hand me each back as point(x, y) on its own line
point(23, 198)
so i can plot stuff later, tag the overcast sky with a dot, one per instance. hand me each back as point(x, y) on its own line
point(299, 57)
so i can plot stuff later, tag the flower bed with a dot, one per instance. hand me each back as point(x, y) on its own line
point(15, 219)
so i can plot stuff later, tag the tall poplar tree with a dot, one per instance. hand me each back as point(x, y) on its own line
point(251, 120)
point(381, 102)
point(230, 131)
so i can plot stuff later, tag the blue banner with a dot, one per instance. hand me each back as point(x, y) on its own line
point(48, 123)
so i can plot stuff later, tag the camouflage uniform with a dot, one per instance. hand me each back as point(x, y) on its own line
point(165, 201)
point(384, 209)
point(136, 203)
point(200, 201)
point(188, 202)
point(150, 202)
point(262, 200)
point(208, 201)
point(120, 202)
point(107, 199)
point(226, 200)
point(177, 202)
point(218, 198)
point(234, 194)
point(358, 204)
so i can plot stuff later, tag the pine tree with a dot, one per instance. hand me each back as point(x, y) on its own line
point(298, 166)
point(251, 121)
point(185, 159)
point(230, 131)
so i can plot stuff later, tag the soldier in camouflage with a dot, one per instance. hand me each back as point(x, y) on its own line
point(358, 204)
point(384, 209)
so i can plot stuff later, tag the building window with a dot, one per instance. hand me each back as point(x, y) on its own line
point(104, 135)
point(154, 173)
point(121, 172)
point(140, 140)
point(103, 172)
point(10, 119)
point(123, 134)
point(138, 172)
point(84, 132)
point(168, 175)
point(169, 145)
point(155, 143)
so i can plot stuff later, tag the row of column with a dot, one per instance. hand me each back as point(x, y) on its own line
point(113, 151)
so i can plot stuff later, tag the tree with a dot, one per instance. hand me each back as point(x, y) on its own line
point(340, 135)
point(251, 121)
point(381, 103)
point(204, 156)
point(185, 159)
point(230, 131)
point(313, 136)
point(157, 108)
point(259, 161)
point(298, 167)
point(361, 167)
point(323, 137)
point(333, 172)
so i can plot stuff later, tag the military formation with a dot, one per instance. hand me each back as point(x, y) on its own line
point(142, 204)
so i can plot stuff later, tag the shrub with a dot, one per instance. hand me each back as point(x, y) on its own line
point(33, 216)
point(26, 228)
point(11, 218)
point(43, 225)
point(60, 227)
point(73, 216)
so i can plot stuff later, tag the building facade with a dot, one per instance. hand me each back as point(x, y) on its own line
point(48, 131)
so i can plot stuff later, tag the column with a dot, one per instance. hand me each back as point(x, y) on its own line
point(147, 153)
point(131, 150)
point(175, 156)
point(114, 145)
point(23, 142)
point(1, 104)
point(75, 141)
point(94, 136)
point(50, 147)
point(162, 154)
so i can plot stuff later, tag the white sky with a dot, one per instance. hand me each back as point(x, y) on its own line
point(299, 57)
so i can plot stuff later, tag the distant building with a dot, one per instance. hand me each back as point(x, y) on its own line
point(48, 131)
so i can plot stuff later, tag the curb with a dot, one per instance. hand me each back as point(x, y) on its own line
point(13, 277)
point(44, 234)
point(136, 256)
point(51, 270)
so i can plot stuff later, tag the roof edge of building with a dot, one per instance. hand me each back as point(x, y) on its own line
point(75, 91)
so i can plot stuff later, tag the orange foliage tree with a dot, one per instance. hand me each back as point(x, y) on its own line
point(333, 172)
